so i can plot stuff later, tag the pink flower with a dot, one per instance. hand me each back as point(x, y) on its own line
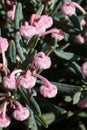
point(1, 68)
point(41, 61)
point(83, 22)
point(10, 2)
point(41, 23)
point(27, 80)
point(4, 119)
point(43, 20)
point(84, 69)
point(11, 13)
point(79, 39)
point(48, 91)
point(83, 103)
point(56, 33)
point(40, 28)
point(68, 8)
point(34, 18)
point(46, 21)
point(9, 82)
point(21, 113)
point(3, 44)
point(3, 48)
point(27, 31)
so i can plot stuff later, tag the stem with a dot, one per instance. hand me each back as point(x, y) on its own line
point(15, 72)
point(56, 31)
point(26, 24)
point(2, 98)
point(14, 8)
point(18, 105)
point(4, 110)
point(46, 82)
point(3, 94)
point(79, 7)
point(3, 58)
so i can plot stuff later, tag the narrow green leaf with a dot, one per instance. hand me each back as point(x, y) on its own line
point(18, 16)
point(42, 121)
point(32, 43)
point(33, 104)
point(1, 128)
point(66, 88)
point(20, 51)
point(45, 104)
point(49, 117)
point(64, 55)
point(76, 69)
point(32, 122)
point(76, 97)
point(39, 12)
point(12, 52)
point(75, 21)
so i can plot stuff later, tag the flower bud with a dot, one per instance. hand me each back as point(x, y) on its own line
point(41, 61)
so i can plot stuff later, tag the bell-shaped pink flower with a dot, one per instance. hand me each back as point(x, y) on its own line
point(83, 103)
point(21, 113)
point(47, 90)
point(41, 23)
point(26, 81)
point(11, 13)
point(10, 2)
point(56, 33)
point(79, 39)
point(69, 8)
point(41, 61)
point(34, 18)
point(40, 28)
point(3, 48)
point(9, 82)
point(46, 21)
point(4, 119)
point(27, 31)
point(83, 22)
point(84, 68)
point(43, 20)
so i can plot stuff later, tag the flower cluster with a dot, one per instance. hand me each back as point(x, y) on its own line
point(11, 12)
point(27, 80)
point(20, 113)
point(38, 26)
point(25, 56)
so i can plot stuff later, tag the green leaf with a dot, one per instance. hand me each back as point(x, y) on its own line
point(49, 117)
point(18, 16)
point(76, 97)
point(32, 43)
point(12, 52)
point(33, 104)
point(66, 88)
point(32, 122)
point(42, 121)
point(40, 10)
point(75, 21)
point(1, 128)
point(45, 104)
point(64, 55)
point(20, 51)
point(76, 69)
